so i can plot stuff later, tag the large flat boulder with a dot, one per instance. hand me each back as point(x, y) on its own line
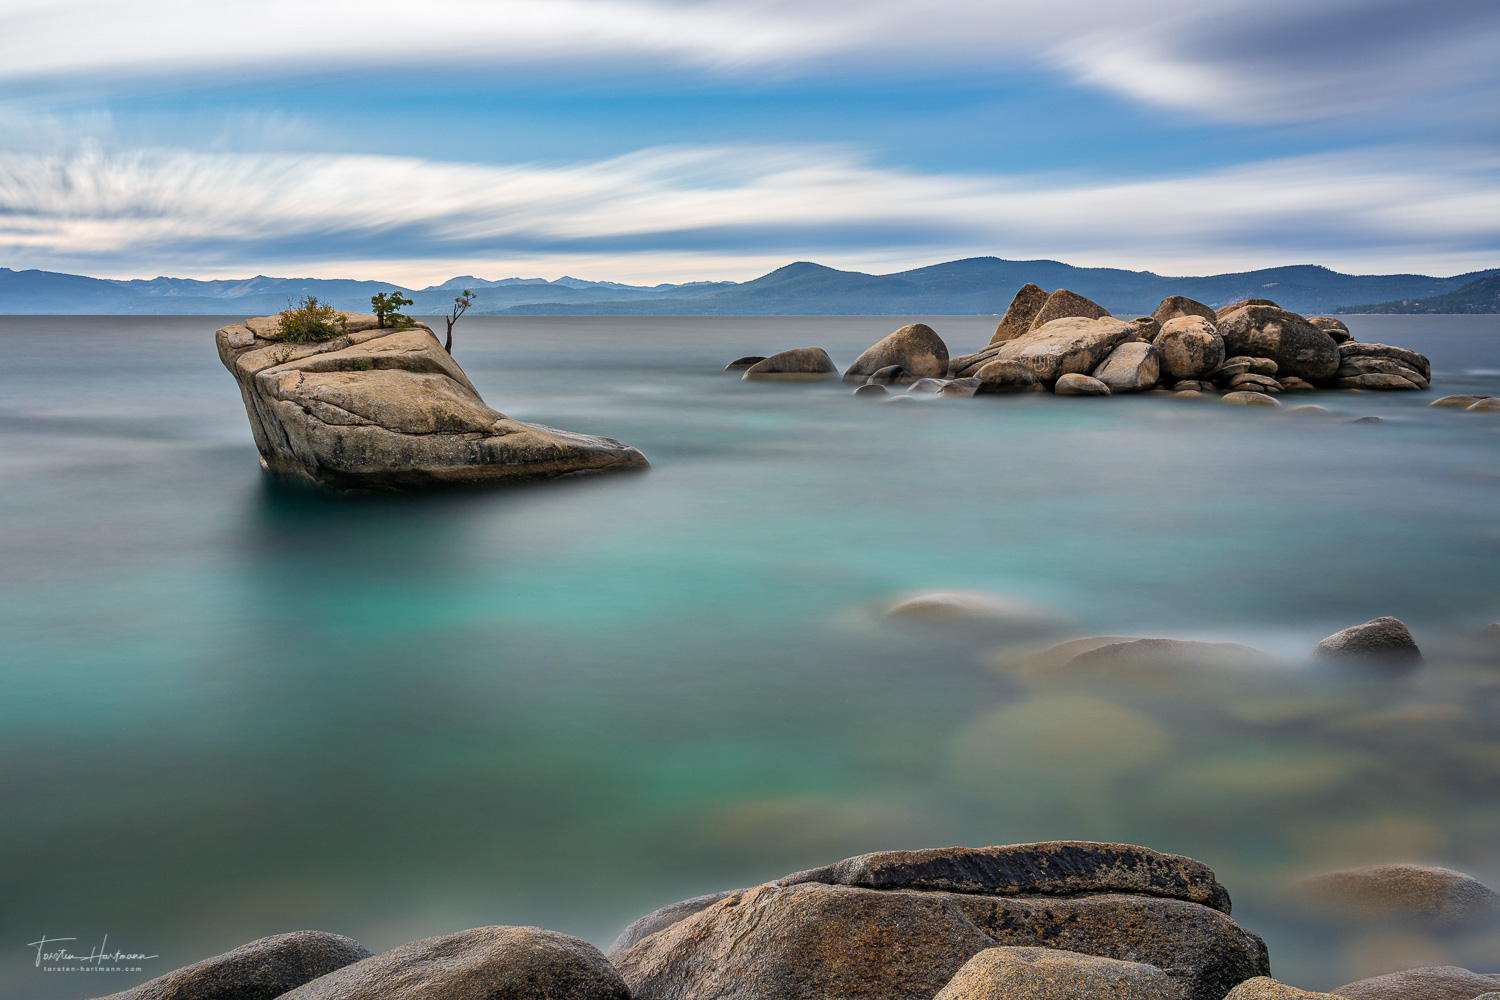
point(377, 409)
point(1050, 974)
point(486, 963)
point(915, 347)
point(1061, 346)
point(1298, 348)
point(1020, 314)
point(260, 970)
point(1061, 867)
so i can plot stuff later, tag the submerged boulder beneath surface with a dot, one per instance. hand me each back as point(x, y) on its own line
point(1020, 314)
point(1433, 895)
point(903, 923)
point(384, 409)
point(259, 970)
point(1011, 973)
point(1440, 982)
point(485, 963)
point(916, 347)
point(1297, 347)
point(740, 364)
point(1462, 401)
point(1386, 640)
point(798, 363)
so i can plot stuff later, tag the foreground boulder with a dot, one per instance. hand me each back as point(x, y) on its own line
point(1266, 988)
point(1437, 895)
point(1131, 367)
point(903, 923)
point(1297, 347)
point(1019, 316)
point(1006, 376)
point(377, 409)
point(259, 970)
point(1049, 974)
point(486, 963)
point(1380, 366)
point(915, 347)
point(1441, 982)
point(1386, 640)
point(1074, 384)
point(800, 362)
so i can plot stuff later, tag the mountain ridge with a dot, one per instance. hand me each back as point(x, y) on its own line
point(969, 286)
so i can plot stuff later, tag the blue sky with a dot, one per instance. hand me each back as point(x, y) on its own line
point(670, 141)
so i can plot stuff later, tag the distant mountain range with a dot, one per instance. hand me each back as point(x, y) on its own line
point(1482, 296)
point(976, 286)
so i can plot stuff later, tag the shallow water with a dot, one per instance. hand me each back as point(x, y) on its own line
point(230, 710)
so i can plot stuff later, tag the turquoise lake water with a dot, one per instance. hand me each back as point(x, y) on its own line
point(231, 709)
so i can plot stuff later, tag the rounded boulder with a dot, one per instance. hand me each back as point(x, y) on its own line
point(1189, 347)
point(1297, 347)
point(916, 347)
point(1078, 384)
point(1015, 973)
point(1131, 367)
point(801, 362)
point(1385, 640)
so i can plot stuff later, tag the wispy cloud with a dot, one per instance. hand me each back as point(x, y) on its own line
point(130, 213)
point(1230, 59)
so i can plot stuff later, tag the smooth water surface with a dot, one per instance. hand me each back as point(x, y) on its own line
point(230, 709)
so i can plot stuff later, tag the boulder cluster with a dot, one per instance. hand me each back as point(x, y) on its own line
point(1065, 920)
point(1248, 352)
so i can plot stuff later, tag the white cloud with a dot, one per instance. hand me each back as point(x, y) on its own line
point(645, 216)
point(1234, 59)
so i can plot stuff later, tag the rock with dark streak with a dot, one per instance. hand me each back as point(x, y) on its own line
point(260, 970)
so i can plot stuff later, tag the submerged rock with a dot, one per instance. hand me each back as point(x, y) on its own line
point(1311, 409)
point(870, 389)
point(259, 970)
point(389, 409)
point(1380, 639)
point(801, 362)
point(891, 375)
point(827, 933)
point(1436, 895)
point(1022, 311)
point(962, 387)
point(916, 347)
point(1076, 384)
point(958, 606)
point(1441, 982)
point(1247, 398)
point(1131, 367)
point(1010, 973)
point(486, 963)
point(927, 385)
point(1461, 401)
point(1297, 347)
point(1138, 653)
point(1490, 405)
point(740, 364)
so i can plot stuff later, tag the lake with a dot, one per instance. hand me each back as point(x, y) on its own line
point(232, 709)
